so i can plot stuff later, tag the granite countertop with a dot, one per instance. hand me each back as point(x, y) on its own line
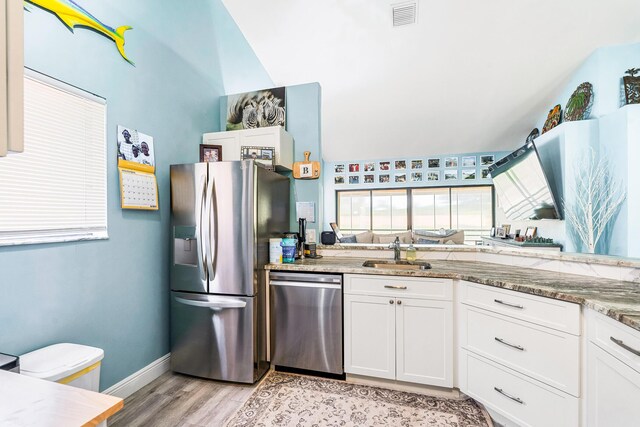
point(616, 299)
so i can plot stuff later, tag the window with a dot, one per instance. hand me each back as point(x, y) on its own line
point(56, 190)
point(385, 211)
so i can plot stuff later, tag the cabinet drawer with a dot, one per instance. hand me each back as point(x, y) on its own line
point(518, 398)
point(395, 286)
point(560, 315)
point(542, 353)
point(603, 330)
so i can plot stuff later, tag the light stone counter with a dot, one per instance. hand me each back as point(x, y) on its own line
point(617, 299)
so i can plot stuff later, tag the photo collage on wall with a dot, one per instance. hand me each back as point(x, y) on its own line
point(430, 171)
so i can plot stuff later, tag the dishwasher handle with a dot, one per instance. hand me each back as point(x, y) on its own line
point(304, 284)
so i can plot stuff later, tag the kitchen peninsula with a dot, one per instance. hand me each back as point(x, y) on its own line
point(534, 344)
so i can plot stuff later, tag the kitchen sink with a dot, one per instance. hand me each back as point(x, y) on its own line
point(397, 265)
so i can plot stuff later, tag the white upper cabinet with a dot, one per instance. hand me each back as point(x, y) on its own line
point(268, 137)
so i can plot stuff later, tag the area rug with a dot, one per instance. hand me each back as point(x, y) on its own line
point(300, 401)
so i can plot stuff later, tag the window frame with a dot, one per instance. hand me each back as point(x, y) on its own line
point(29, 237)
point(409, 193)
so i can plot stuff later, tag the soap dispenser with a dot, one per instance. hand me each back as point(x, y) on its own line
point(411, 253)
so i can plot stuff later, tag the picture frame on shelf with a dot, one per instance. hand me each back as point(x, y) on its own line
point(263, 155)
point(501, 233)
point(210, 153)
point(531, 232)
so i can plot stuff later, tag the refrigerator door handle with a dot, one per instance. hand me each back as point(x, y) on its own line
point(212, 237)
point(206, 236)
point(200, 233)
point(213, 303)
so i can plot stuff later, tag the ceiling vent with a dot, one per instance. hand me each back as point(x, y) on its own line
point(405, 13)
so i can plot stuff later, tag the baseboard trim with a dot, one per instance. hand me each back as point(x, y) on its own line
point(137, 380)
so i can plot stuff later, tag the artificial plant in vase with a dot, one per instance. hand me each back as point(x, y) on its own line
point(598, 199)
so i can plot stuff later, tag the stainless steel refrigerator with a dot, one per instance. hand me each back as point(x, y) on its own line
point(222, 216)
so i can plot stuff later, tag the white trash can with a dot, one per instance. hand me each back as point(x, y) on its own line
point(72, 364)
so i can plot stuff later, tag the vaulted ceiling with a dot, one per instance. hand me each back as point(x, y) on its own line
point(469, 76)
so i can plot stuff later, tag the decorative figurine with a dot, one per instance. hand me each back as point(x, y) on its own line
point(579, 105)
point(553, 119)
point(632, 86)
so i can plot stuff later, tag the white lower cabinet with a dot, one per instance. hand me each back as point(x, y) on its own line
point(370, 336)
point(520, 399)
point(398, 338)
point(520, 355)
point(613, 380)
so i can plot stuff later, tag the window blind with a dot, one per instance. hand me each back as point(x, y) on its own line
point(56, 190)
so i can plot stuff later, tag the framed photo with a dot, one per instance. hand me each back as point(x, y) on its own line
point(486, 160)
point(485, 173)
point(354, 167)
point(530, 233)
point(416, 176)
point(262, 155)
point(450, 175)
point(433, 163)
point(369, 179)
point(401, 177)
point(506, 228)
point(401, 165)
point(501, 233)
point(338, 168)
point(450, 162)
point(354, 179)
point(433, 176)
point(385, 166)
point(468, 161)
point(210, 153)
point(416, 164)
point(339, 179)
point(383, 179)
point(369, 167)
point(468, 174)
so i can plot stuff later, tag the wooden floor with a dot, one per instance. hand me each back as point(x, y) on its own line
point(180, 400)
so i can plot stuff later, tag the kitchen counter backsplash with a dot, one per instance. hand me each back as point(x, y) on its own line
point(617, 299)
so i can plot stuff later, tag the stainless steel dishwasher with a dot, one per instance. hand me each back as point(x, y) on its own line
point(306, 321)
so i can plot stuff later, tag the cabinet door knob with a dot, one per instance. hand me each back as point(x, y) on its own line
point(399, 302)
point(390, 301)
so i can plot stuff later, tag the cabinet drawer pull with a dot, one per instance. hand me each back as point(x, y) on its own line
point(395, 287)
point(508, 304)
point(501, 341)
point(515, 399)
point(390, 301)
point(626, 347)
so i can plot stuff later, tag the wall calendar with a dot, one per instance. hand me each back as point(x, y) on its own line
point(138, 190)
point(136, 168)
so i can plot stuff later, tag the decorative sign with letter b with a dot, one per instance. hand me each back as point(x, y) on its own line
point(307, 169)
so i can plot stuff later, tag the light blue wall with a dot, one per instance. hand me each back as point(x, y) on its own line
point(113, 294)
point(610, 136)
point(303, 110)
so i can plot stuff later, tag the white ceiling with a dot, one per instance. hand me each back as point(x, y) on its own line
point(470, 76)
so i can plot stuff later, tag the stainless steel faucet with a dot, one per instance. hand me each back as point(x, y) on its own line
point(396, 249)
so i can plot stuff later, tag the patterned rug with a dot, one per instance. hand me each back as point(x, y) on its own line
point(300, 401)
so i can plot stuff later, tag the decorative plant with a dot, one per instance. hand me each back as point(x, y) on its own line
point(598, 199)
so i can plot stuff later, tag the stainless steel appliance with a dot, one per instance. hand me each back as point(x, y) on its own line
point(222, 216)
point(306, 321)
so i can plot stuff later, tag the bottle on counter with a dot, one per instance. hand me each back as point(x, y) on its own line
point(411, 253)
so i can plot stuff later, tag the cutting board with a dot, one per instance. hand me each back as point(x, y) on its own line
point(307, 169)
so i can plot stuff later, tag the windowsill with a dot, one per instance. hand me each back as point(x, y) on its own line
point(35, 239)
